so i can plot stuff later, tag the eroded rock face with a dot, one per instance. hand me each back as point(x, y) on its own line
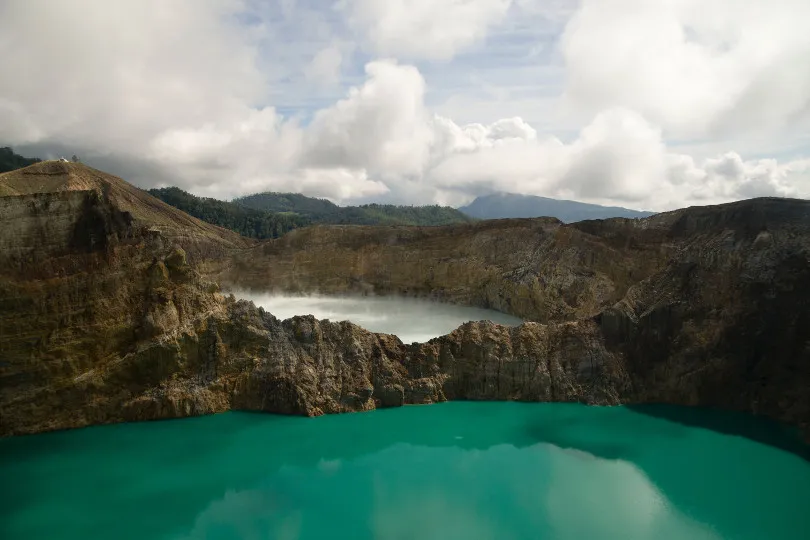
point(532, 268)
point(250, 360)
point(702, 306)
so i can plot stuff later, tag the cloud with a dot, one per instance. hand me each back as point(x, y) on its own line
point(209, 98)
point(95, 76)
point(729, 177)
point(381, 126)
point(619, 158)
point(415, 29)
point(693, 67)
point(325, 66)
point(171, 105)
point(239, 143)
point(258, 151)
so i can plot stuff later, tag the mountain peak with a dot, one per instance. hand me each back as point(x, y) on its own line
point(47, 177)
point(147, 211)
point(514, 205)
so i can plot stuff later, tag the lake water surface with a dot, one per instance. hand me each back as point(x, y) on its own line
point(411, 319)
point(448, 471)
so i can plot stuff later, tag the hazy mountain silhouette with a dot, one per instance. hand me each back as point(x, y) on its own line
point(513, 205)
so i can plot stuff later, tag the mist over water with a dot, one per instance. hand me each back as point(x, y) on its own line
point(411, 319)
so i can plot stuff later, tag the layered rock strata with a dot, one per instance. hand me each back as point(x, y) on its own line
point(108, 313)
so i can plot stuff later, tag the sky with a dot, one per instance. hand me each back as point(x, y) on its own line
point(648, 104)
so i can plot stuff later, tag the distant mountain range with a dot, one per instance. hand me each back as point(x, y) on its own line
point(513, 205)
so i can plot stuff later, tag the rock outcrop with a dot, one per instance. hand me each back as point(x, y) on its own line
point(108, 313)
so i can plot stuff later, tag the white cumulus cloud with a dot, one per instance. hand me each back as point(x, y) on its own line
point(218, 97)
point(694, 67)
point(430, 29)
point(381, 126)
point(325, 66)
point(108, 74)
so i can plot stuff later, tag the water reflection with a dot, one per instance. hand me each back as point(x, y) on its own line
point(407, 491)
point(412, 319)
point(590, 497)
point(456, 470)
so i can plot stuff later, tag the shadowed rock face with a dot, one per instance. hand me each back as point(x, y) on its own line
point(103, 318)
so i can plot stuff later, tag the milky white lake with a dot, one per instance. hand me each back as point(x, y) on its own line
point(411, 319)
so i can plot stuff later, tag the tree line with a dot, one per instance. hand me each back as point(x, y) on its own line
point(270, 215)
point(245, 221)
point(11, 161)
point(324, 211)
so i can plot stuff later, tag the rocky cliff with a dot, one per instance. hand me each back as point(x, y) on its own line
point(104, 317)
point(703, 306)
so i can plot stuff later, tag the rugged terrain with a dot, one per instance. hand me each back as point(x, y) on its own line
point(109, 310)
point(38, 199)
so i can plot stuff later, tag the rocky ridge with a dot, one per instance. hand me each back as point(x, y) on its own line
point(109, 314)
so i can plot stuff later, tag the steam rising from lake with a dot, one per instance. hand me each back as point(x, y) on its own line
point(413, 320)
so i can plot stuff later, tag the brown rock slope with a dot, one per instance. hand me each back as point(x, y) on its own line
point(80, 284)
point(53, 188)
point(703, 306)
point(537, 269)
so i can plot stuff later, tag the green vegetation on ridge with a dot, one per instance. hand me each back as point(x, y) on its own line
point(287, 202)
point(245, 221)
point(324, 211)
point(11, 161)
point(270, 215)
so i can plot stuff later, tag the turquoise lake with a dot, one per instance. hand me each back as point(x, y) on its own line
point(448, 471)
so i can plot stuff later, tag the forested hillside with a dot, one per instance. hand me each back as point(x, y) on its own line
point(11, 161)
point(246, 221)
point(293, 210)
point(287, 202)
point(323, 211)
